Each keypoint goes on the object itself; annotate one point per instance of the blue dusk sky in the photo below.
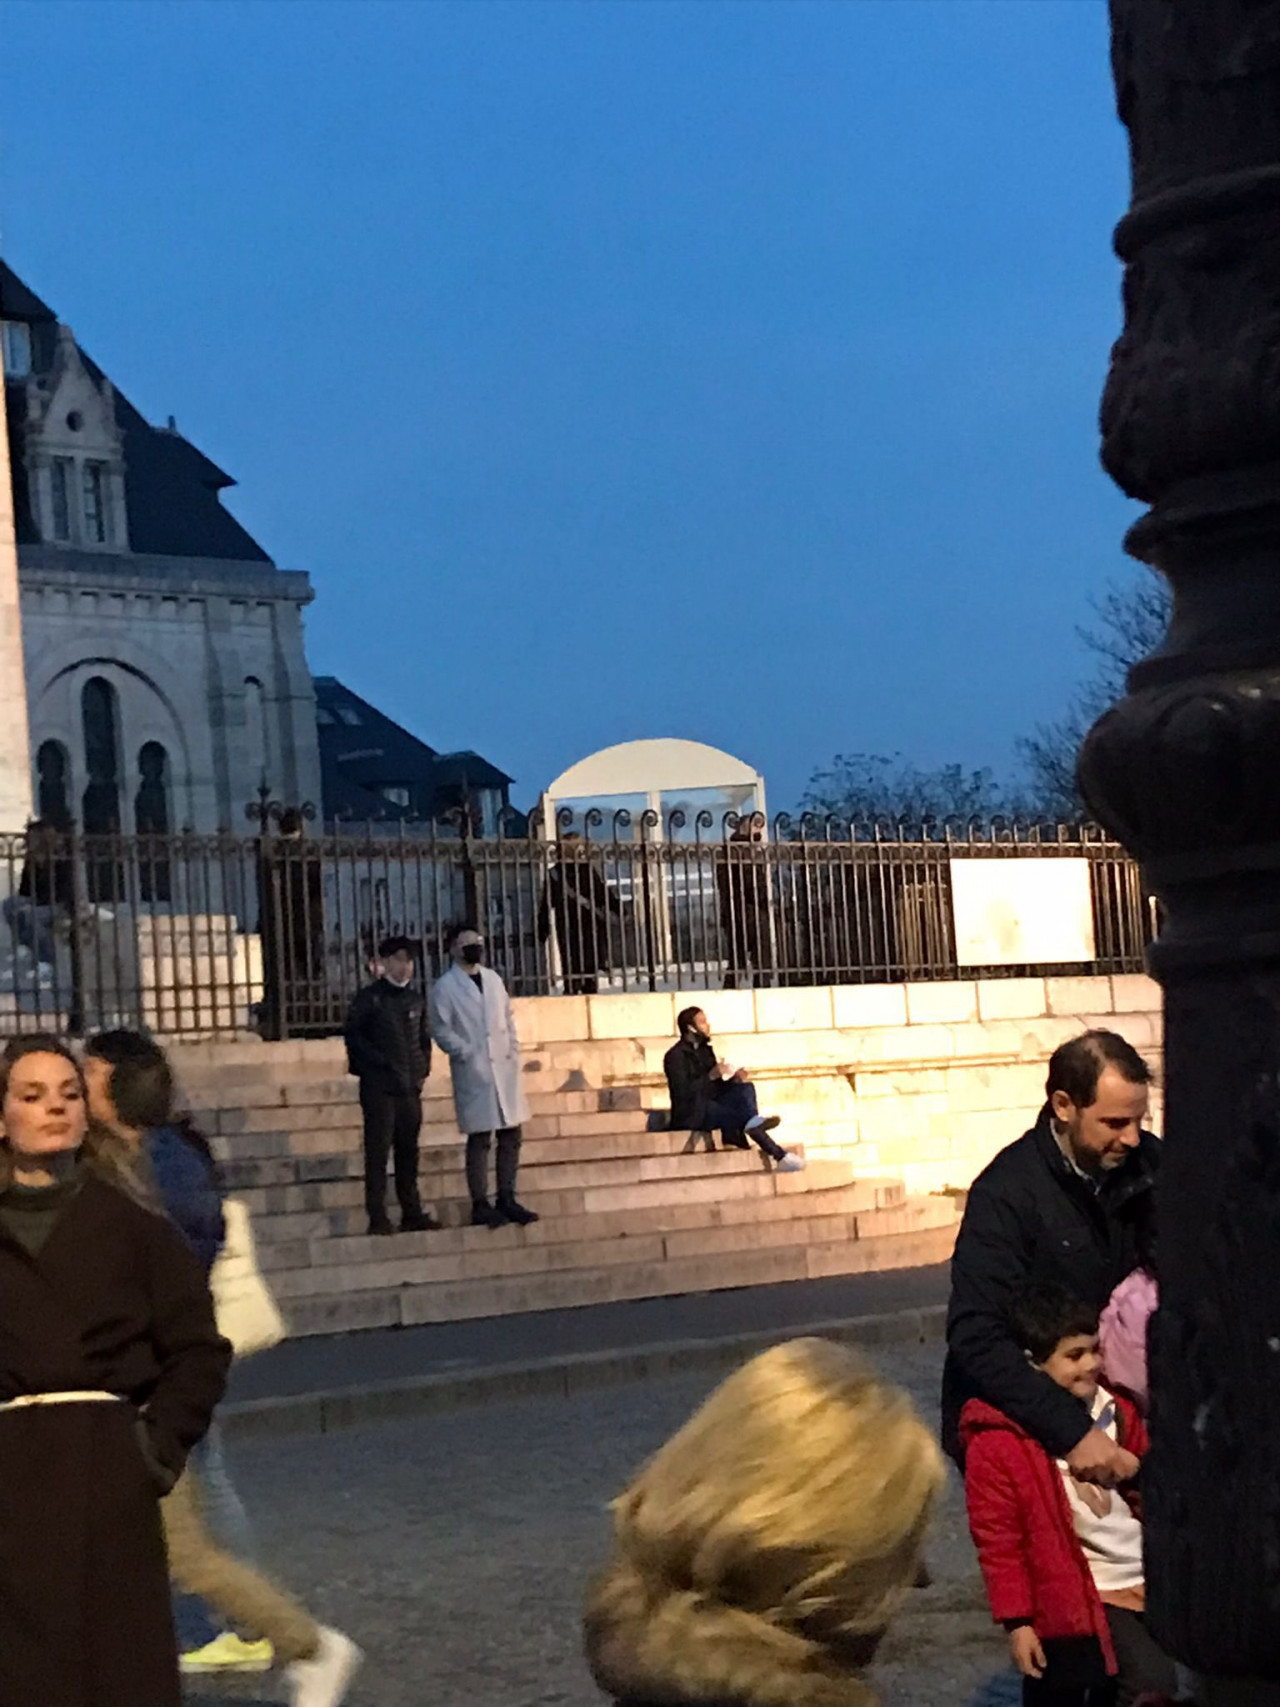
(616, 367)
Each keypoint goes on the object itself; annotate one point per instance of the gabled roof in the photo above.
(363, 751)
(171, 488)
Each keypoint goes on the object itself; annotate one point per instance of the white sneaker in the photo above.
(790, 1164)
(323, 1680)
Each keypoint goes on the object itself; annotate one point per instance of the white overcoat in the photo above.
(477, 1031)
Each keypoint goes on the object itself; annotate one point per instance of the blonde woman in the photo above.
(747, 1576)
(110, 1367)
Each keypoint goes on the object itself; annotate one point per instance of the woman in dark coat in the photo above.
(110, 1367)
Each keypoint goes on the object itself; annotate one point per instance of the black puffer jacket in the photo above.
(689, 1065)
(387, 1037)
(1031, 1219)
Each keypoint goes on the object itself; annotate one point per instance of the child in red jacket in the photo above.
(1062, 1561)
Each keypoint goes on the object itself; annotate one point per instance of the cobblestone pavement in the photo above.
(455, 1549)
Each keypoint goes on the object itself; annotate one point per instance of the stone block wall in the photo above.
(920, 1083)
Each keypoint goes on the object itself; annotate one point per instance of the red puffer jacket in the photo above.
(1020, 1518)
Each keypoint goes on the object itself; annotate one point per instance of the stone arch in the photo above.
(150, 694)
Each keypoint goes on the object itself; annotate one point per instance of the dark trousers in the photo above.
(392, 1122)
(478, 1163)
(729, 1110)
(1145, 1669)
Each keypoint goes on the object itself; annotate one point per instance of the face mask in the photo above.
(399, 982)
(473, 953)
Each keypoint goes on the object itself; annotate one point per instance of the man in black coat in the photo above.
(1067, 1205)
(389, 1051)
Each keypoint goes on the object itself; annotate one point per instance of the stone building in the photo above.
(165, 665)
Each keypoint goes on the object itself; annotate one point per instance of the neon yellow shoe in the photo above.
(228, 1653)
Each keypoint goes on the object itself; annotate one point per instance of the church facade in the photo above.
(165, 665)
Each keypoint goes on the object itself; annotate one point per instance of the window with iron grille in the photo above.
(60, 475)
(95, 503)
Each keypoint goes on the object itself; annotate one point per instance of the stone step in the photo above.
(289, 1241)
(443, 1170)
(294, 1135)
(659, 1155)
(567, 1189)
(431, 1264)
(336, 1312)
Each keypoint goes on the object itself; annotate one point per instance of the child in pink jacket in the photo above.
(1124, 1327)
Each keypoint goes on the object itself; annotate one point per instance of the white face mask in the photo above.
(398, 982)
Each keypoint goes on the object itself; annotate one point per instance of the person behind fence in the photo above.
(389, 1051)
(45, 893)
(708, 1095)
(131, 1092)
(585, 910)
(1062, 1559)
(111, 1369)
(744, 888)
(1065, 1204)
(291, 924)
(473, 1022)
(762, 1553)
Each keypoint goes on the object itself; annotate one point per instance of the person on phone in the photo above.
(708, 1095)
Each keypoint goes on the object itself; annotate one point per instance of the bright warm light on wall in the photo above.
(1022, 912)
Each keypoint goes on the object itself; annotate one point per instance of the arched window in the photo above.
(52, 801)
(151, 804)
(100, 716)
(255, 733)
(151, 818)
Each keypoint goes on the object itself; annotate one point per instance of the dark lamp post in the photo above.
(1186, 771)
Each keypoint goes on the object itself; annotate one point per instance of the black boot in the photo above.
(381, 1225)
(418, 1221)
(483, 1214)
(515, 1212)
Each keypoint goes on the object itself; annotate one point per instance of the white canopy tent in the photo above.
(664, 776)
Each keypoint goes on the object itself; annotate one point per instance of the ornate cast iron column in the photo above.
(1186, 771)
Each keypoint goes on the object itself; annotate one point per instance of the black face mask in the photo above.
(473, 953)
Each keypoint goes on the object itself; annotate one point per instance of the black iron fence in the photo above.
(274, 933)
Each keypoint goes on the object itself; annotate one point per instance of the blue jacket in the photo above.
(188, 1191)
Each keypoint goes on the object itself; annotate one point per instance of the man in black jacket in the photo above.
(389, 1051)
(709, 1096)
(1064, 1205)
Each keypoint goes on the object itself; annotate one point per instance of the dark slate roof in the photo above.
(171, 488)
(363, 751)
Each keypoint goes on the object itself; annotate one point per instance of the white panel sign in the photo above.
(1022, 912)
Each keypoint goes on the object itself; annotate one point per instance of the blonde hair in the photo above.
(759, 1557)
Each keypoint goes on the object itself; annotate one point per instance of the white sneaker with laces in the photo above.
(790, 1164)
(323, 1680)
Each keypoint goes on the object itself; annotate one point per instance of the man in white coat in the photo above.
(471, 1020)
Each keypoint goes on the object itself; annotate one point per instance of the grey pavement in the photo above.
(332, 1361)
(455, 1548)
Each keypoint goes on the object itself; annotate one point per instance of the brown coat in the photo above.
(115, 1301)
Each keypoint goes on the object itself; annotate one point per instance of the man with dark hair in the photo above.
(389, 1051)
(1065, 1205)
(708, 1095)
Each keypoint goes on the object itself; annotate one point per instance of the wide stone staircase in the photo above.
(626, 1211)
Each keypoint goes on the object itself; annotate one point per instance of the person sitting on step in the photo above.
(711, 1096)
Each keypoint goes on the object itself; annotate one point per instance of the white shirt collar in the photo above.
(1064, 1144)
